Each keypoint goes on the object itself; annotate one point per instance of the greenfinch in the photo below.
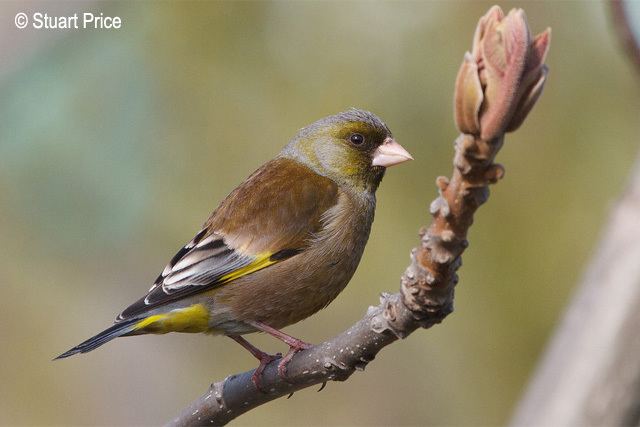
(280, 247)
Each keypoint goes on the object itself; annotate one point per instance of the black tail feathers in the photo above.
(117, 330)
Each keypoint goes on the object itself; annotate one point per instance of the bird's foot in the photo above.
(265, 359)
(297, 346)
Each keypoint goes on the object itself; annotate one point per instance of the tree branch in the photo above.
(497, 85)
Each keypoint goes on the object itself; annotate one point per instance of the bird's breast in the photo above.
(294, 289)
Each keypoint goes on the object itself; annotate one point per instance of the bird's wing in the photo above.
(267, 219)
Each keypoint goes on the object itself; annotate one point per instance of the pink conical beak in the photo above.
(390, 153)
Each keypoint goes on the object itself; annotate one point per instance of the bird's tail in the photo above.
(117, 330)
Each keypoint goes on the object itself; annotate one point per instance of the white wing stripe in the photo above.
(195, 257)
(207, 240)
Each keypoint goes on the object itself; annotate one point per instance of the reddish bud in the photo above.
(500, 81)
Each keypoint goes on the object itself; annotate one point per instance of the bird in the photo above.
(280, 247)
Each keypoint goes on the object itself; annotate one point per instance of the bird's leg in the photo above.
(295, 345)
(264, 358)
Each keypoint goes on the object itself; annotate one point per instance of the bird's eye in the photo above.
(356, 139)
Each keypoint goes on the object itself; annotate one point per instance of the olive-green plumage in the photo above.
(281, 246)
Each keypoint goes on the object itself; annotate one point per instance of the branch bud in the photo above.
(501, 79)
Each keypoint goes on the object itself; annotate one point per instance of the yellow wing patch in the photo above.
(194, 318)
(261, 261)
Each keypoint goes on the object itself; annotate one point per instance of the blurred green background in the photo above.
(116, 144)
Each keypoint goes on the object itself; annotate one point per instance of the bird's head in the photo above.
(353, 148)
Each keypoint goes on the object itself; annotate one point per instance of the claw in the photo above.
(295, 345)
(264, 358)
(256, 378)
(282, 366)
